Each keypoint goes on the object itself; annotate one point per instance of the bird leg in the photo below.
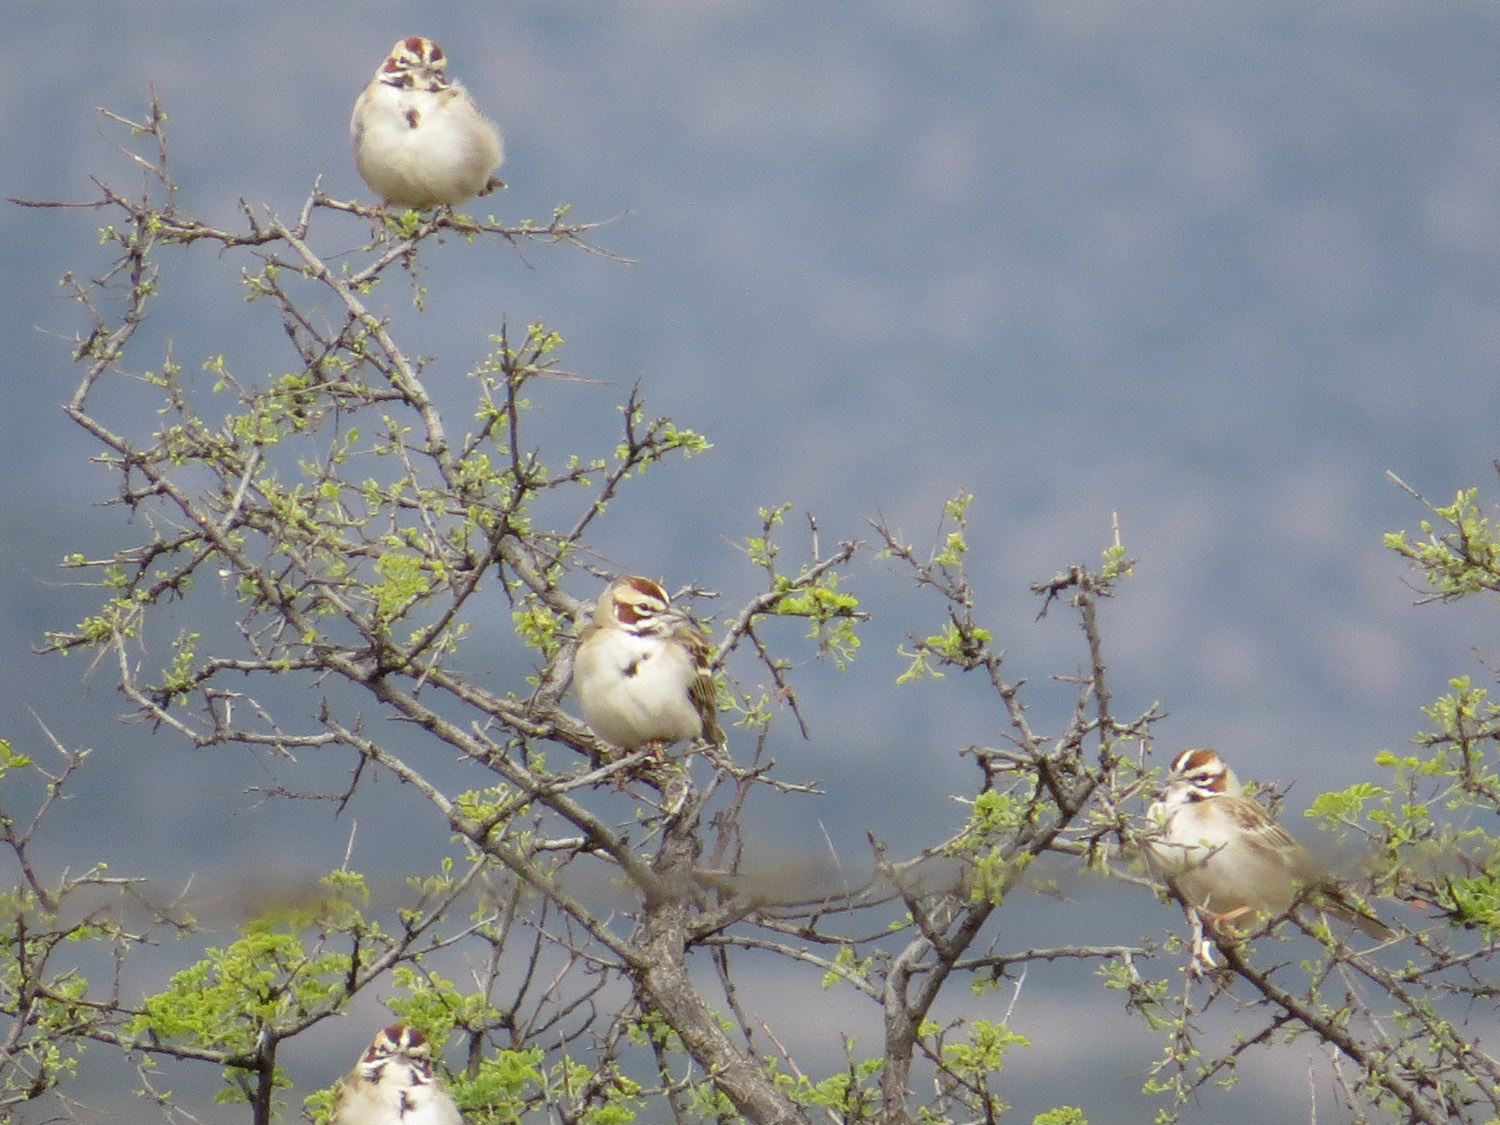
(1227, 923)
(1202, 961)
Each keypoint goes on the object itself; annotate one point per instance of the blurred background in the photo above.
(1214, 269)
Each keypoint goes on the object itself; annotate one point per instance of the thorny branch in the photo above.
(334, 541)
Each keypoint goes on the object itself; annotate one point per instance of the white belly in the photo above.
(445, 157)
(634, 691)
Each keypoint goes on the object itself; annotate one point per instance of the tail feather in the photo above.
(1333, 902)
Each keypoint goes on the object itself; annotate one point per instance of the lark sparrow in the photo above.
(642, 670)
(393, 1084)
(419, 139)
(1226, 857)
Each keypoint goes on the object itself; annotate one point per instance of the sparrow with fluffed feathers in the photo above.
(393, 1084)
(419, 138)
(642, 670)
(1226, 857)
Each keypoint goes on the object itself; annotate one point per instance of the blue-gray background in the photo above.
(1214, 268)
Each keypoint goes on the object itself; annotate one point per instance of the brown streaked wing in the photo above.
(704, 694)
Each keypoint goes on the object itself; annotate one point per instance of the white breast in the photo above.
(1216, 864)
(418, 149)
(634, 690)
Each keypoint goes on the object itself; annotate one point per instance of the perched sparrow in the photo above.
(393, 1084)
(1226, 857)
(642, 670)
(419, 139)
